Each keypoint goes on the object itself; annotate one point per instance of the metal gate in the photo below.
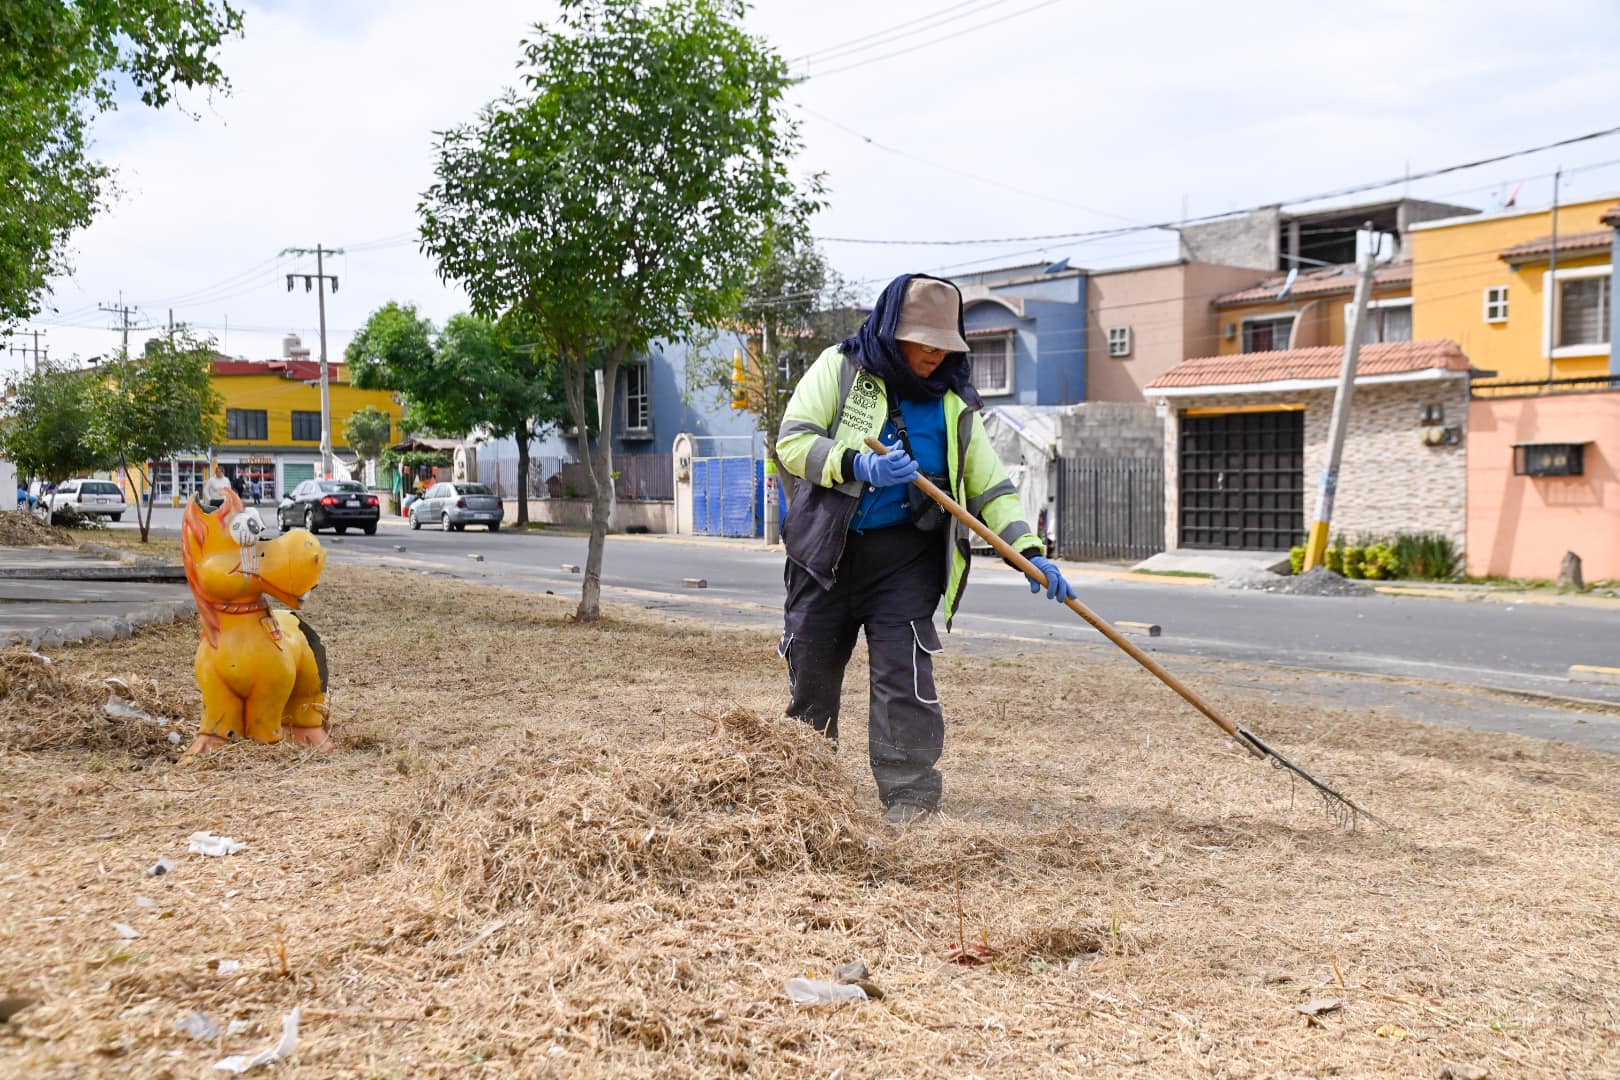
(1243, 481)
(725, 496)
(1110, 508)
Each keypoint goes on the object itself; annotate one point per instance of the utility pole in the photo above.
(123, 311)
(40, 355)
(767, 385)
(317, 281)
(1316, 543)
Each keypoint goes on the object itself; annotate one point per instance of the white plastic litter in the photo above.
(821, 992)
(174, 738)
(145, 901)
(241, 1063)
(161, 867)
(126, 931)
(123, 709)
(236, 1027)
(206, 843)
(199, 1027)
(230, 967)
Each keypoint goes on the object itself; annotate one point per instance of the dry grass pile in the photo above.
(22, 528)
(514, 825)
(63, 704)
(543, 850)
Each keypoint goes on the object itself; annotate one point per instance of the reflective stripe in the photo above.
(1013, 533)
(978, 502)
(791, 428)
(815, 465)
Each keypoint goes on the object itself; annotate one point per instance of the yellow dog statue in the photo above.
(262, 673)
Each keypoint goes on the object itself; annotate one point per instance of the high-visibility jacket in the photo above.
(833, 410)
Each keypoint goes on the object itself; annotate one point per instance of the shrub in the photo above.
(1333, 559)
(66, 517)
(1352, 561)
(1380, 562)
(1429, 555)
(1296, 559)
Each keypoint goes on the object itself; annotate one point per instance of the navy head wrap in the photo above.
(875, 348)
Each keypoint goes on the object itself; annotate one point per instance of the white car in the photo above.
(102, 498)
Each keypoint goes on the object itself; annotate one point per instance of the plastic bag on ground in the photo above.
(206, 843)
(241, 1063)
(821, 992)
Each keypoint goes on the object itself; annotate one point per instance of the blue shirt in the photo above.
(925, 425)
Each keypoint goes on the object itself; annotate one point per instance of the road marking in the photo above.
(1589, 673)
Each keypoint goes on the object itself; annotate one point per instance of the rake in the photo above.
(1344, 812)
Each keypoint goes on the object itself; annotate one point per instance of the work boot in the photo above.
(904, 813)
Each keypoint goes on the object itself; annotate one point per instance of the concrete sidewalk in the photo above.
(54, 596)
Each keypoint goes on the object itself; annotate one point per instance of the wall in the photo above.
(280, 397)
(1152, 301)
(1049, 345)
(1110, 429)
(1520, 526)
(654, 515)
(1250, 241)
(1389, 481)
(1454, 262)
(1323, 318)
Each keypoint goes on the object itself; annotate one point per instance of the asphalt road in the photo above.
(1470, 648)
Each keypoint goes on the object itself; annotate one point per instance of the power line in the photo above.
(878, 39)
(935, 41)
(1354, 189)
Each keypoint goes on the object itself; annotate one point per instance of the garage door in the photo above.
(294, 473)
(1243, 481)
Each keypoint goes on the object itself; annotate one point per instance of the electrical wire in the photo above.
(935, 41)
(879, 38)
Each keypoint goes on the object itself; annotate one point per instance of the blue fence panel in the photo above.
(738, 518)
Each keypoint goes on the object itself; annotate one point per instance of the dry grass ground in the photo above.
(547, 849)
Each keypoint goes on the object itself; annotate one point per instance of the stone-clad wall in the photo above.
(1389, 480)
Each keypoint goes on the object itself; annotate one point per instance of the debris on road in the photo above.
(1318, 582)
(570, 568)
(695, 582)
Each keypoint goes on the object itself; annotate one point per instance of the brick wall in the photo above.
(1389, 481)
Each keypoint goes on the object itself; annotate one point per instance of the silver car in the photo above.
(455, 505)
(98, 498)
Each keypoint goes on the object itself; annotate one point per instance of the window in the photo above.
(1387, 320)
(306, 426)
(637, 399)
(990, 360)
(474, 489)
(1583, 311)
(1119, 341)
(247, 424)
(334, 486)
(1496, 303)
(100, 487)
(1268, 334)
(1549, 459)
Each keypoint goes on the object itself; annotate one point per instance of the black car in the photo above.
(329, 504)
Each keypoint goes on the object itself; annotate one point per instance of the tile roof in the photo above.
(296, 370)
(1611, 216)
(1322, 281)
(1595, 240)
(1394, 358)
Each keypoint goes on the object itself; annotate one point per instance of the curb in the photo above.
(105, 629)
(1588, 673)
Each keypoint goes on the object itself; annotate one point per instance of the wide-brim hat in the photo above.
(931, 315)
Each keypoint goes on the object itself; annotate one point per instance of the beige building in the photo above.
(1144, 320)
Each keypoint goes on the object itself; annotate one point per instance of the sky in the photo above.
(967, 121)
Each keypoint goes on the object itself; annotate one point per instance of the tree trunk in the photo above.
(600, 469)
(143, 520)
(523, 473)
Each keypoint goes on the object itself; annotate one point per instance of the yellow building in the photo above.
(1483, 281)
(272, 426)
(1312, 312)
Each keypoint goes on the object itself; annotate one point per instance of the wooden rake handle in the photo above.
(1005, 550)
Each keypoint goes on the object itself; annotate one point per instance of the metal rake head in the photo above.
(1344, 812)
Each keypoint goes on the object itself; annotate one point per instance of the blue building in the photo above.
(1027, 331)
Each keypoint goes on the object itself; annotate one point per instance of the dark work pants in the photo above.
(888, 583)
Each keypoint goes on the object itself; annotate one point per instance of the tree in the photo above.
(45, 426)
(148, 408)
(793, 309)
(477, 375)
(367, 431)
(621, 196)
(61, 65)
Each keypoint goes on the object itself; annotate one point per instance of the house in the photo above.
(1026, 331)
(271, 425)
(1246, 431)
(1487, 282)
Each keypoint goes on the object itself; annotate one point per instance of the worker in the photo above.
(866, 549)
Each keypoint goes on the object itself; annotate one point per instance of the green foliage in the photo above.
(367, 432)
(417, 459)
(1379, 562)
(1427, 555)
(1350, 558)
(60, 66)
(1333, 559)
(1296, 559)
(150, 407)
(624, 194)
(46, 423)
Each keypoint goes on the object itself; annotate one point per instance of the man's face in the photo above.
(922, 359)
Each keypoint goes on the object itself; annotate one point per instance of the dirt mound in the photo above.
(1318, 582)
(513, 825)
(47, 705)
(19, 528)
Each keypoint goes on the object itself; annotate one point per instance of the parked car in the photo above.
(456, 505)
(100, 498)
(329, 504)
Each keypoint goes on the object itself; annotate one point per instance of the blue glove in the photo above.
(885, 470)
(1056, 588)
